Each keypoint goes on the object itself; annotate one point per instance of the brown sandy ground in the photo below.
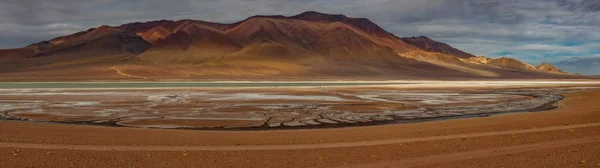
(565, 137)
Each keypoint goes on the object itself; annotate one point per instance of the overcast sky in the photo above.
(531, 30)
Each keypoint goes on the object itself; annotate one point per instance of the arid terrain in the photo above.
(296, 84)
(386, 124)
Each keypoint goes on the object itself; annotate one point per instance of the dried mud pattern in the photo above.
(248, 109)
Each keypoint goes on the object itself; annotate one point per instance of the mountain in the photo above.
(545, 67)
(514, 64)
(586, 66)
(503, 62)
(430, 45)
(308, 46)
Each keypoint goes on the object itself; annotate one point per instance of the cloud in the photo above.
(532, 30)
(585, 65)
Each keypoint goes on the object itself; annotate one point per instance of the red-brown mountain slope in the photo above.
(430, 45)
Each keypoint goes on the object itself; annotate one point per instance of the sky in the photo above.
(533, 31)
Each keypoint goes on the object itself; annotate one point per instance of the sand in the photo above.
(564, 137)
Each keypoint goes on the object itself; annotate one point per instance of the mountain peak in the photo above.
(313, 13)
(318, 16)
(544, 64)
(545, 67)
(363, 24)
(268, 16)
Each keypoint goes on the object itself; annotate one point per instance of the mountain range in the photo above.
(308, 46)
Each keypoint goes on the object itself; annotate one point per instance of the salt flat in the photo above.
(275, 105)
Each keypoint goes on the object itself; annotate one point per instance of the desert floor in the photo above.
(565, 137)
